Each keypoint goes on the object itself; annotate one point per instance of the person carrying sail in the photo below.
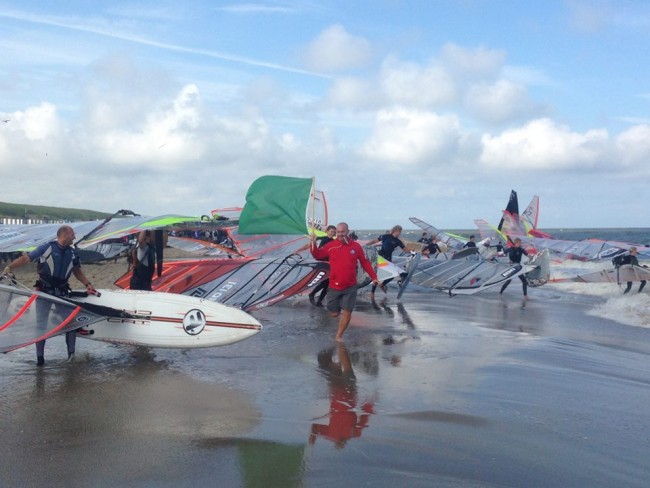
(470, 243)
(343, 255)
(632, 259)
(389, 242)
(56, 262)
(515, 254)
(144, 262)
(431, 249)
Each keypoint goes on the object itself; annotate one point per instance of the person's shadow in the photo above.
(345, 421)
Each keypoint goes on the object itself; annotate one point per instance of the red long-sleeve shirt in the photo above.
(343, 258)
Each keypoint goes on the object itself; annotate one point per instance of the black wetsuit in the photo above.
(432, 248)
(322, 286)
(469, 244)
(633, 260)
(515, 254)
(388, 245)
(144, 269)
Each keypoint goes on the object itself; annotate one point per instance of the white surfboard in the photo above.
(154, 319)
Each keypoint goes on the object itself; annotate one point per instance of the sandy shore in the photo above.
(469, 391)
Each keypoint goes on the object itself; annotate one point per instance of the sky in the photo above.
(433, 109)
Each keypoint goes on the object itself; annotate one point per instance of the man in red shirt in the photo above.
(343, 254)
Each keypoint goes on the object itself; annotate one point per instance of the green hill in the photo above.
(39, 212)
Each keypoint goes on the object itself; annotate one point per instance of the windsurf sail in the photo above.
(490, 235)
(120, 227)
(531, 214)
(410, 266)
(622, 274)
(201, 248)
(245, 283)
(512, 207)
(465, 275)
(280, 245)
(25, 238)
(277, 205)
(387, 269)
(452, 241)
(29, 316)
(585, 250)
(230, 214)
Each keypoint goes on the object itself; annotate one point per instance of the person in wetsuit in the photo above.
(322, 286)
(633, 260)
(389, 242)
(470, 243)
(56, 262)
(431, 249)
(515, 254)
(144, 262)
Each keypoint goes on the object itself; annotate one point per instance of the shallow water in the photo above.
(462, 391)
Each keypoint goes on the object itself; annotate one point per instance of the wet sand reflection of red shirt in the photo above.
(344, 422)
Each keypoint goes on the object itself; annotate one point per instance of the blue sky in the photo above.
(432, 109)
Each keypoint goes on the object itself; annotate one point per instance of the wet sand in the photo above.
(429, 391)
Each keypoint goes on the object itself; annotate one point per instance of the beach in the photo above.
(444, 391)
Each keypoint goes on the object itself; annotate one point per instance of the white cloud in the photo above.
(352, 94)
(38, 123)
(527, 75)
(500, 102)
(403, 137)
(596, 16)
(335, 50)
(544, 145)
(633, 146)
(480, 62)
(458, 77)
(416, 85)
(165, 138)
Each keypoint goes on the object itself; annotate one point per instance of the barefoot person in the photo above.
(56, 262)
(515, 254)
(389, 242)
(343, 255)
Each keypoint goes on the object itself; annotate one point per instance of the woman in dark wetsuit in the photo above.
(144, 262)
(389, 242)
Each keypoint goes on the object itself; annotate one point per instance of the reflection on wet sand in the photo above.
(344, 419)
(447, 417)
(264, 463)
(135, 413)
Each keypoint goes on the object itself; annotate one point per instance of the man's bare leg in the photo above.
(344, 321)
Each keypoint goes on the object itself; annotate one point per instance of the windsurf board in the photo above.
(169, 320)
